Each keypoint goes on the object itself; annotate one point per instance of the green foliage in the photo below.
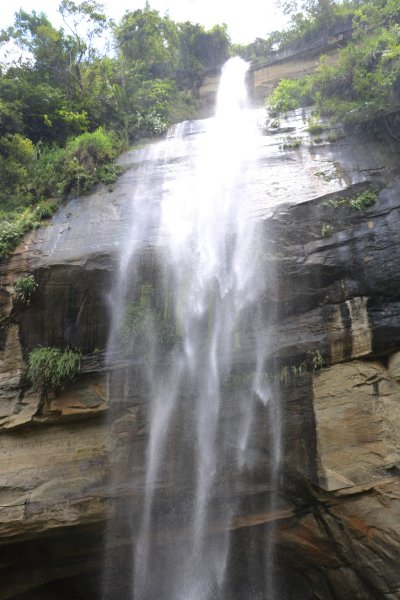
(109, 173)
(291, 143)
(16, 155)
(200, 50)
(289, 94)
(359, 201)
(314, 125)
(60, 100)
(46, 170)
(312, 8)
(46, 209)
(14, 225)
(141, 319)
(260, 49)
(31, 174)
(315, 20)
(360, 87)
(363, 85)
(314, 362)
(317, 360)
(364, 200)
(24, 288)
(148, 42)
(51, 369)
(148, 123)
(87, 159)
(135, 319)
(312, 23)
(81, 159)
(326, 230)
(90, 148)
(166, 333)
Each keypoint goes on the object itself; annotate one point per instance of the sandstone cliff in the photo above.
(337, 522)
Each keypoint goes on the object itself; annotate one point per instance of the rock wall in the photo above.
(349, 537)
(336, 523)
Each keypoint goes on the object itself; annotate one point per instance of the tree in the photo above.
(86, 23)
(61, 87)
(148, 43)
(200, 50)
(45, 49)
(312, 8)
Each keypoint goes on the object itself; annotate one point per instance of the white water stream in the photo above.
(185, 316)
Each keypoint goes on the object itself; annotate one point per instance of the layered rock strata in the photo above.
(336, 521)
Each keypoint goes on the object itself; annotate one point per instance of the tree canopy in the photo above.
(67, 107)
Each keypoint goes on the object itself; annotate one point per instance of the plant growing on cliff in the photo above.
(315, 361)
(364, 200)
(361, 87)
(358, 202)
(141, 319)
(326, 230)
(291, 143)
(13, 227)
(289, 94)
(315, 127)
(86, 160)
(51, 369)
(24, 288)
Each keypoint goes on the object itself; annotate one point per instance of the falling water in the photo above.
(190, 332)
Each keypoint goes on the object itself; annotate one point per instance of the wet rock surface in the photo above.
(337, 521)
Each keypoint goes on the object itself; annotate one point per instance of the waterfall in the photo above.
(188, 349)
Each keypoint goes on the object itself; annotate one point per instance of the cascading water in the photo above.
(190, 332)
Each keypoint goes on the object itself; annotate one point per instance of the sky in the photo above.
(255, 18)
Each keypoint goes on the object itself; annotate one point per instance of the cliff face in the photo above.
(337, 519)
(342, 298)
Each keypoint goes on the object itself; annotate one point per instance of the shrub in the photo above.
(17, 153)
(17, 148)
(13, 226)
(45, 210)
(290, 94)
(358, 202)
(81, 159)
(314, 125)
(150, 123)
(47, 172)
(24, 288)
(109, 173)
(364, 200)
(91, 148)
(87, 159)
(50, 369)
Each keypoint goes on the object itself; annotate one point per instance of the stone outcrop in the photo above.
(341, 298)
